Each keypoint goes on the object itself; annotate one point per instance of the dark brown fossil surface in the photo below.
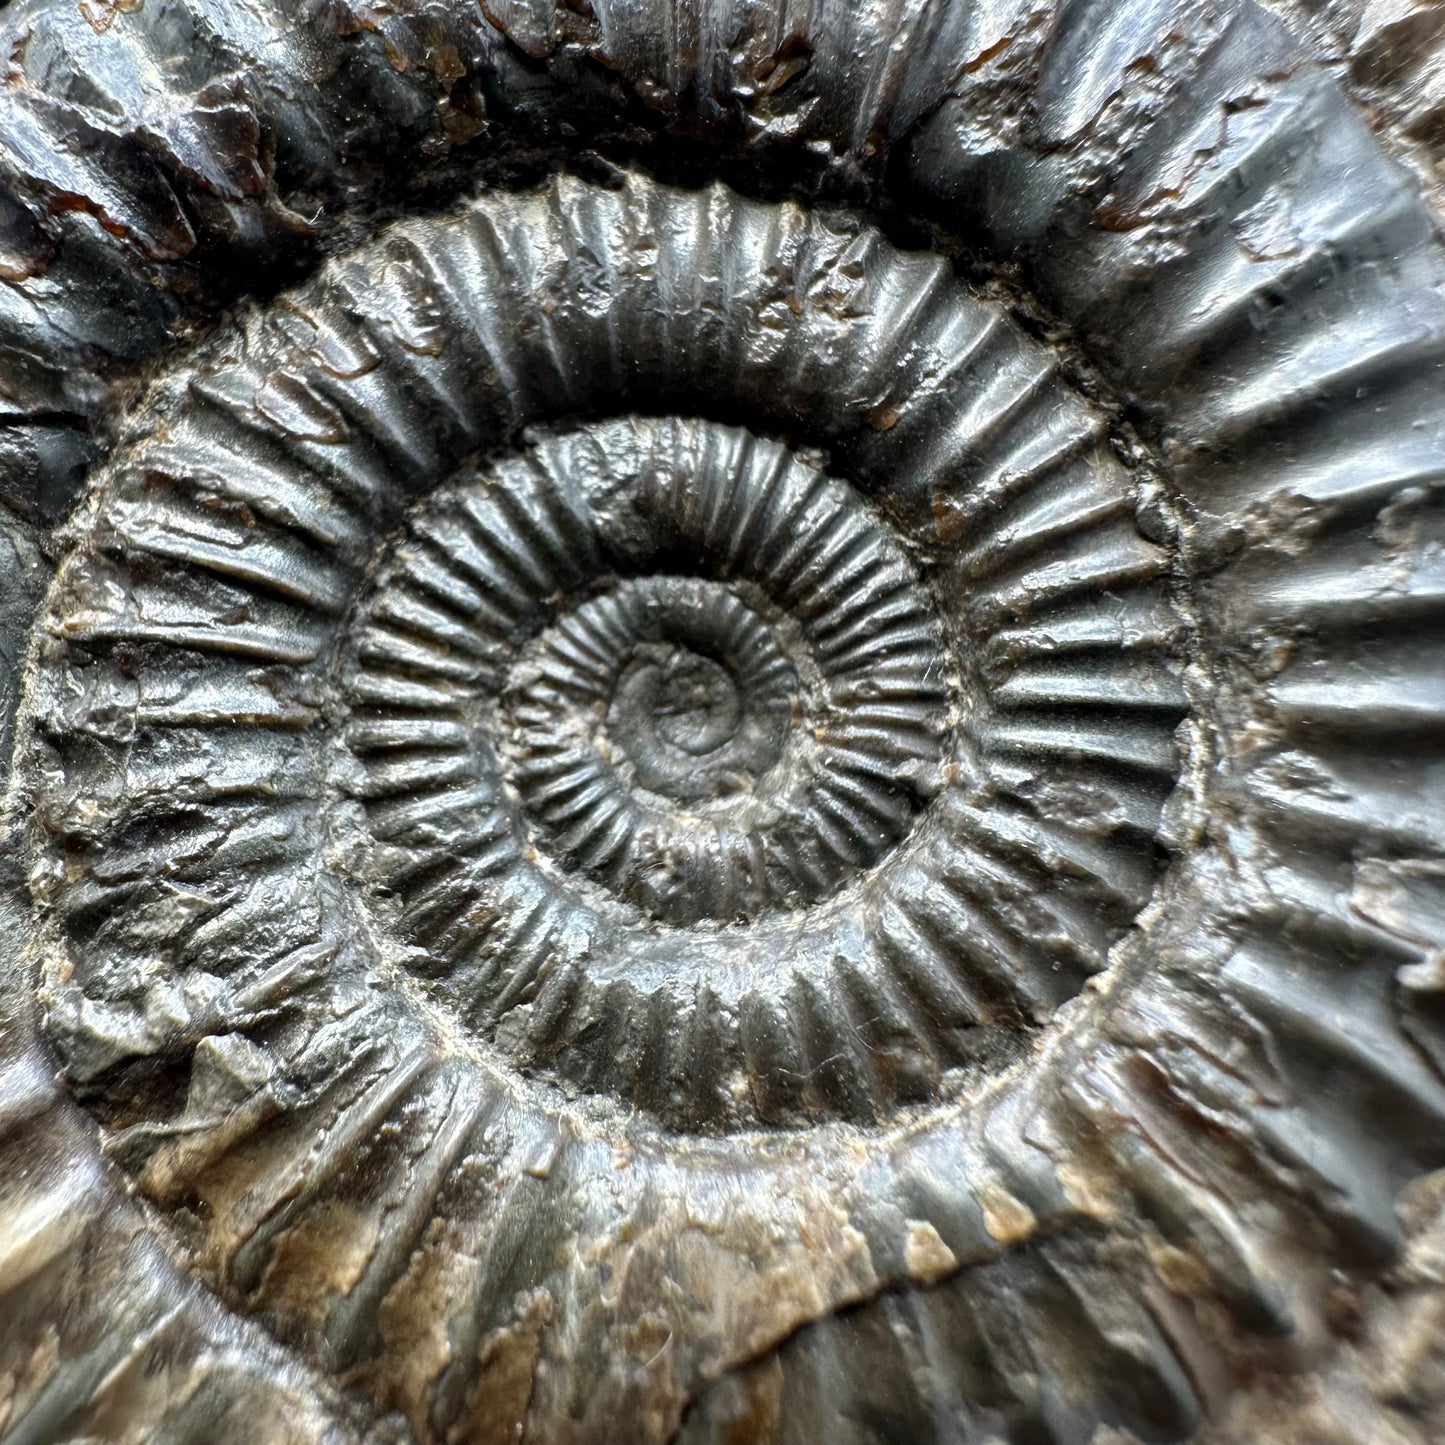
(723, 722)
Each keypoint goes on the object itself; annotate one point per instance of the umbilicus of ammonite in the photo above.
(723, 723)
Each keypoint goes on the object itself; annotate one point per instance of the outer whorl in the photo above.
(728, 727)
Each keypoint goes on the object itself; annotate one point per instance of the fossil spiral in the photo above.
(725, 726)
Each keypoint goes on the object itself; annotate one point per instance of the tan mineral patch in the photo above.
(1086, 1192)
(1182, 1273)
(506, 1368)
(1008, 1220)
(318, 1260)
(412, 1322)
(925, 1254)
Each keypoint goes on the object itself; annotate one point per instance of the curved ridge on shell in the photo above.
(993, 912)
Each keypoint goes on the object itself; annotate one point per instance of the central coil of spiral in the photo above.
(702, 755)
(656, 728)
(660, 672)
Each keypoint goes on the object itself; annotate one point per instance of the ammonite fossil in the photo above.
(724, 723)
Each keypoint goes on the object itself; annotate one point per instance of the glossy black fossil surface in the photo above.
(724, 723)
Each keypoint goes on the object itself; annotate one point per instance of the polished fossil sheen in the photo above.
(723, 723)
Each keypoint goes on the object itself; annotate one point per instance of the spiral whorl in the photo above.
(701, 755)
